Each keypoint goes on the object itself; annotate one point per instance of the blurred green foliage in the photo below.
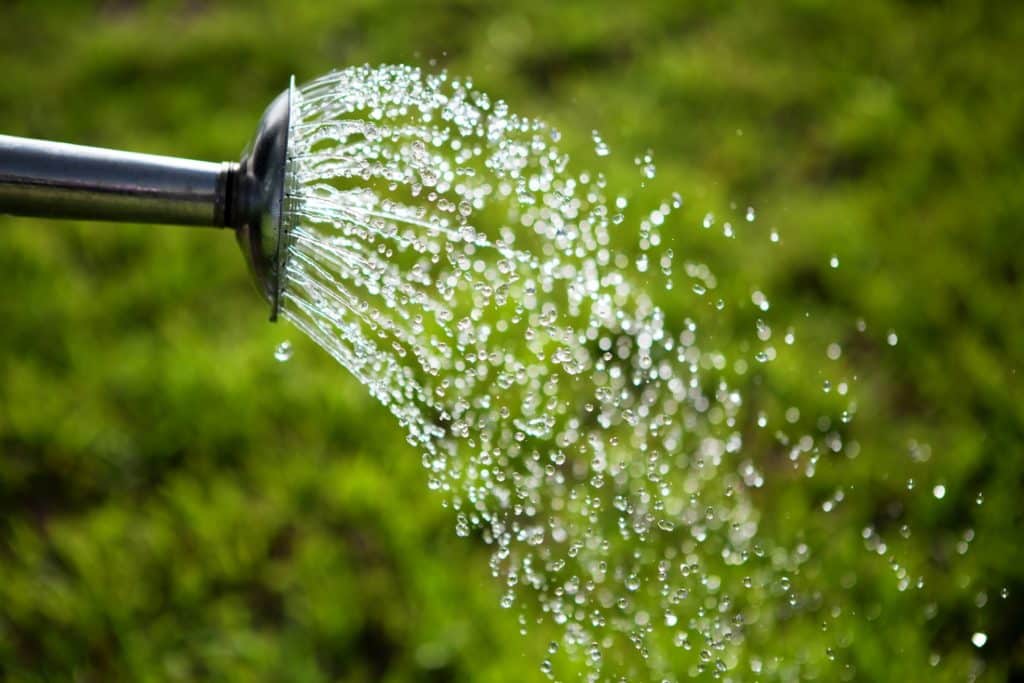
(176, 505)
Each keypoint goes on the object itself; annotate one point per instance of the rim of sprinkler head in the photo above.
(256, 197)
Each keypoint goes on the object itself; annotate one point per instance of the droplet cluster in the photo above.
(452, 258)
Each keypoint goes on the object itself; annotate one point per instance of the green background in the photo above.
(177, 505)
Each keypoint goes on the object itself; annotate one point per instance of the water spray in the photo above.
(59, 180)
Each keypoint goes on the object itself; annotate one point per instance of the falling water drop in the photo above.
(283, 352)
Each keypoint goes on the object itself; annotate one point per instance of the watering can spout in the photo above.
(256, 196)
(59, 180)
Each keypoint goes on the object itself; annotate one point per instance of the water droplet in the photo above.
(979, 639)
(283, 352)
(419, 150)
(939, 491)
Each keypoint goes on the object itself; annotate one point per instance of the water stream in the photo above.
(496, 298)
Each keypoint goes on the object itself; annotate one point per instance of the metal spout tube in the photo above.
(59, 180)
